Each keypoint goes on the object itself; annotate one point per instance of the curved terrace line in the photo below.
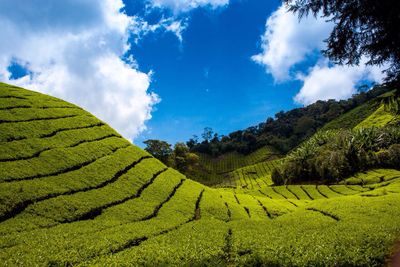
(65, 170)
(39, 119)
(38, 153)
(20, 207)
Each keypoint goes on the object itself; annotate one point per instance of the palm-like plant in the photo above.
(391, 102)
(334, 154)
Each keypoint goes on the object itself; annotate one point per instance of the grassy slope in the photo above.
(353, 117)
(250, 176)
(236, 170)
(379, 118)
(232, 161)
(222, 171)
(367, 115)
(72, 191)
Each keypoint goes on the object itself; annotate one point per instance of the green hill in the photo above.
(223, 170)
(274, 138)
(250, 176)
(353, 117)
(371, 113)
(74, 192)
(379, 118)
(232, 161)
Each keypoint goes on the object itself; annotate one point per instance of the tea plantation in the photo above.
(229, 169)
(74, 192)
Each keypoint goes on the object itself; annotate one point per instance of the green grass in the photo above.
(234, 169)
(352, 118)
(379, 118)
(220, 170)
(74, 192)
(214, 206)
(232, 161)
(252, 176)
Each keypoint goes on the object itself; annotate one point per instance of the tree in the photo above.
(194, 141)
(180, 149)
(184, 160)
(207, 134)
(362, 28)
(304, 125)
(192, 160)
(159, 149)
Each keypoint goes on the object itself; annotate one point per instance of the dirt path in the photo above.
(395, 260)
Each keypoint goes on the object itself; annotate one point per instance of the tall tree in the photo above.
(184, 161)
(367, 28)
(207, 134)
(159, 149)
(192, 141)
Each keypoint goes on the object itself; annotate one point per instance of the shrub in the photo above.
(334, 155)
(394, 156)
(390, 157)
(277, 177)
(331, 165)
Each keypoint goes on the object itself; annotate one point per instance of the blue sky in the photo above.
(209, 79)
(165, 69)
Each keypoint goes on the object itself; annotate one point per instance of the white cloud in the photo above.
(179, 6)
(175, 22)
(74, 49)
(177, 27)
(325, 82)
(288, 41)
(141, 27)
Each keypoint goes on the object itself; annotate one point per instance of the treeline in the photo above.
(284, 132)
(333, 155)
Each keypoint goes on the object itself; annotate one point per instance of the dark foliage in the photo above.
(159, 149)
(179, 157)
(183, 160)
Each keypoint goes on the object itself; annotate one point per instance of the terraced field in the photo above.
(232, 161)
(74, 192)
(252, 176)
(379, 118)
(352, 118)
(224, 170)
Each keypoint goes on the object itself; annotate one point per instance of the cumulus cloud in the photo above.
(179, 6)
(289, 42)
(325, 82)
(73, 50)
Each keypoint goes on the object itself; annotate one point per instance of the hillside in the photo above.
(354, 116)
(275, 138)
(287, 130)
(370, 114)
(354, 142)
(379, 118)
(74, 192)
(223, 170)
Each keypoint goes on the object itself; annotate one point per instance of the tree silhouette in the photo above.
(367, 28)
